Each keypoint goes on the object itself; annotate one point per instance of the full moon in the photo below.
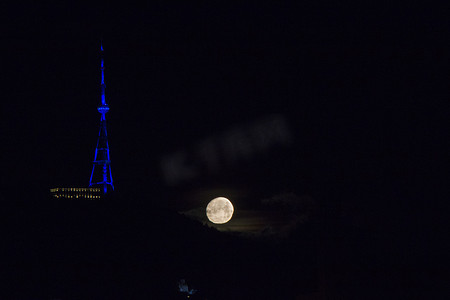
(219, 210)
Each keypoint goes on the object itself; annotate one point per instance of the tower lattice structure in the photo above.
(101, 169)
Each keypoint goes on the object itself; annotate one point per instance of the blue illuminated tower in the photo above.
(101, 169)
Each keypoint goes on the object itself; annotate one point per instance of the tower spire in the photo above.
(103, 74)
(101, 169)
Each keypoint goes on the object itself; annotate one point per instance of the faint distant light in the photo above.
(183, 288)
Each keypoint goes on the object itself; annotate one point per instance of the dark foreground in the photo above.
(125, 249)
(108, 250)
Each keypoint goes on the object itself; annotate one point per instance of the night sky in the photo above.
(351, 97)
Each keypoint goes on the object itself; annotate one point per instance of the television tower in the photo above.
(101, 169)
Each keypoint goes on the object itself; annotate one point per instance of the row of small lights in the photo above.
(75, 189)
(88, 196)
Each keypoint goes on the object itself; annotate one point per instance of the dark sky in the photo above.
(336, 113)
(356, 85)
